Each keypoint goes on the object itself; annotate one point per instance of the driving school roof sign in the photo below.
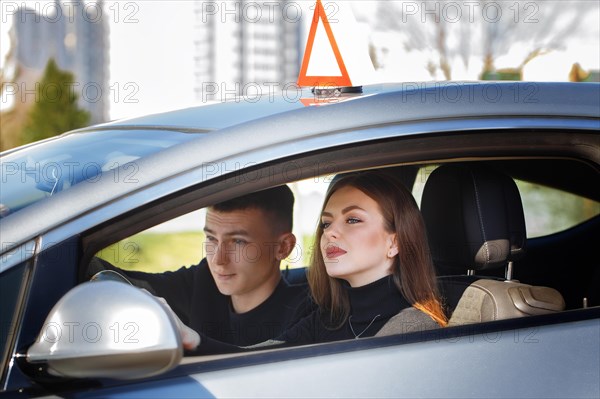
(335, 54)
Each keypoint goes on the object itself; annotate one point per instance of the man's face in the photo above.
(241, 250)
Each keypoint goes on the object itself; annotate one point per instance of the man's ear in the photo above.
(287, 242)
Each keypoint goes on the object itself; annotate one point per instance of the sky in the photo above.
(152, 50)
(151, 54)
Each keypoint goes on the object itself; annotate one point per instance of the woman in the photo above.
(371, 264)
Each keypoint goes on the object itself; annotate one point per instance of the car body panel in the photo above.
(273, 142)
(450, 367)
(443, 366)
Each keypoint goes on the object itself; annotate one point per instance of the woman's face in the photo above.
(355, 244)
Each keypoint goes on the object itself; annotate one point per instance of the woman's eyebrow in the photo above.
(351, 208)
(344, 211)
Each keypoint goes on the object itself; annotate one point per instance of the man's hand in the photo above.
(189, 337)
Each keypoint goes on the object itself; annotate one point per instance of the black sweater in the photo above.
(193, 295)
(371, 305)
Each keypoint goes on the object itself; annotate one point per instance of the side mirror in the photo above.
(108, 329)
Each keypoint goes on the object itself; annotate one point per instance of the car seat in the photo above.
(475, 222)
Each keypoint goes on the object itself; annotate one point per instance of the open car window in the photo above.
(180, 241)
(549, 210)
(168, 246)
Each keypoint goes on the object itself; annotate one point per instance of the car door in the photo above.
(33, 286)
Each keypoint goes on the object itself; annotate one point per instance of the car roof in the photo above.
(275, 130)
(417, 100)
(236, 110)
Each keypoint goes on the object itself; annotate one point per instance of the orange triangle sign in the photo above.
(323, 81)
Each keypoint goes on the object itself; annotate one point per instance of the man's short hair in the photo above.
(276, 202)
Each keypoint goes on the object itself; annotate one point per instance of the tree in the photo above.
(451, 33)
(55, 109)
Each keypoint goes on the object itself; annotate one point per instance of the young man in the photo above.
(237, 294)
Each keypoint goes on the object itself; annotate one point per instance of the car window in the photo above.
(180, 241)
(57, 165)
(10, 285)
(309, 195)
(548, 210)
(420, 180)
(167, 246)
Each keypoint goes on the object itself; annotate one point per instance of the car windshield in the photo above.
(38, 172)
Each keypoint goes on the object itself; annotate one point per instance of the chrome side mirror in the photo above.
(108, 329)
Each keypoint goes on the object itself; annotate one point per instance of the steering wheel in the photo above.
(110, 275)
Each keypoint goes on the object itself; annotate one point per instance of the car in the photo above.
(67, 198)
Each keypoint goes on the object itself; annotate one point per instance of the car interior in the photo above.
(488, 269)
(480, 225)
(478, 239)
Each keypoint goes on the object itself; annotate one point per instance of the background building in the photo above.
(75, 35)
(241, 47)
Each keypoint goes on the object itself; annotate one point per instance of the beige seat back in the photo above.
(488, 300)
(475, 221)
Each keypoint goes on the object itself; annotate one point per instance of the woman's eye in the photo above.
(353, 220)
(325, 225)
(239, 241)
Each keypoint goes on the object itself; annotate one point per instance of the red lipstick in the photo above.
(334, 251)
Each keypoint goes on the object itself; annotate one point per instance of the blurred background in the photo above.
(66, 64)
(70, 63)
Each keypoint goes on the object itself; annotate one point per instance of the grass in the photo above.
(156, 252)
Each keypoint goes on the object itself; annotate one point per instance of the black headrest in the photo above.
(474, 217)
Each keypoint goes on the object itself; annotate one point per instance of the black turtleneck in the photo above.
(371, 306)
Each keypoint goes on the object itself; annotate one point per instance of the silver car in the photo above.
(66, 198)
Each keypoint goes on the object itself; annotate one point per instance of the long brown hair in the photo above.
(413, 270)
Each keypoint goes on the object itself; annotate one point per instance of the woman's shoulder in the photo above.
(408, 320)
